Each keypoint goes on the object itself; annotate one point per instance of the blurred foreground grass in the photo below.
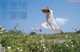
(16, 41)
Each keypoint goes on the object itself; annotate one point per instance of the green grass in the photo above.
(16, 41)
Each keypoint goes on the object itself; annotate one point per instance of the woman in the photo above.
(50, 22)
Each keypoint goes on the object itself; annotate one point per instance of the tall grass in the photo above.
(16, 41)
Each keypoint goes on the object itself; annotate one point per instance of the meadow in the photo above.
(16, 41)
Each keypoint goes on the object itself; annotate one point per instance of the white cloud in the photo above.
(61, 21)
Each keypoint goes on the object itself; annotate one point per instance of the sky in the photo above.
(27, 14)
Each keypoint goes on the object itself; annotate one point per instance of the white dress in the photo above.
(50, 23)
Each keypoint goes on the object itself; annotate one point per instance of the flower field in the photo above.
(16, 41)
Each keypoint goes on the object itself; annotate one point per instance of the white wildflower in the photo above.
(17, 48)
(66, 36)
(1, 32)
(37, 46)
(71, 42)
(42, 37)
(18, 36)
(43, 45)
(41, 41)
(9, 47)
(0, 45)
(24, 35)
(67, 45)
(20, 50)
(27, 42)
(31, 36)
(72, 45)
(37, 42)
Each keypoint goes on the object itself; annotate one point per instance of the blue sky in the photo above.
(62, 9)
